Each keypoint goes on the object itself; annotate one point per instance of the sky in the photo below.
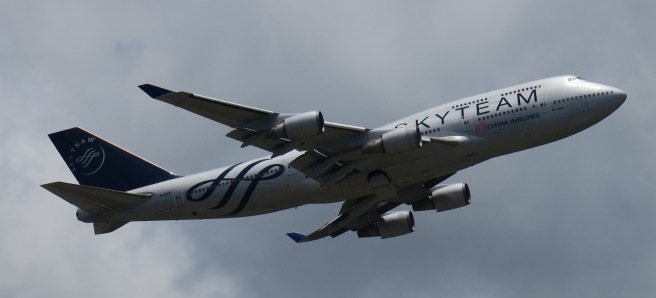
(573, 218)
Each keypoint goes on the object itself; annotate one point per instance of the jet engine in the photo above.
(390, 225)
(299, 126)
(445, 197)
(395, 141)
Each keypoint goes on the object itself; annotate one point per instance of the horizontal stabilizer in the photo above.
(93, 199)
(107, 227)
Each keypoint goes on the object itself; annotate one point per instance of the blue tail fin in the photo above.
(98, 163)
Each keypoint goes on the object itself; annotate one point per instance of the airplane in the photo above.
(313, 161)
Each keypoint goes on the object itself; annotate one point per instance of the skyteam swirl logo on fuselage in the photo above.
(203, 190)
(86, 157)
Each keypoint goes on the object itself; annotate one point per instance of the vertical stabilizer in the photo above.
(99, 163)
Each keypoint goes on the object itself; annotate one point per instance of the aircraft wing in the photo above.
(347, 222)
(363, 212)
(251, 124)
(327, 156)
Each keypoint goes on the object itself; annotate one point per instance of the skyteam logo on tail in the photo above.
(86, 157)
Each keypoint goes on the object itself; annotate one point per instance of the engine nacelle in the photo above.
(445, 197)
(395, 141)
(299, 126)
(390, 225)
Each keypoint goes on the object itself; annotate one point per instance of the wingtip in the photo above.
(154, 91)
(297, 237)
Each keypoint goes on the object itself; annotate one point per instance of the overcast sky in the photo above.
(570, 219)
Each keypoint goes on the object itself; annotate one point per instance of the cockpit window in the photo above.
(574, 79)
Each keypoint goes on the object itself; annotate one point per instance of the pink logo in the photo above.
(480, 127)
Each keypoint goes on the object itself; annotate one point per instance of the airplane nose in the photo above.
(620, 96)
(617, 98)
(610, 100)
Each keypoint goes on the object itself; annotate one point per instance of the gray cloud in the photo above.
(572, 218)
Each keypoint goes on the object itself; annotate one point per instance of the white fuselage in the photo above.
(494, 123)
